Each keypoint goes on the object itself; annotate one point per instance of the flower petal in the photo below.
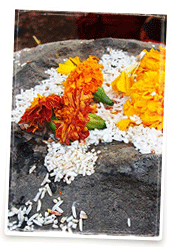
(68, 66)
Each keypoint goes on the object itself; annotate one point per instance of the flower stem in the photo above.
(95, 122)
(51, 125)
(100, 96)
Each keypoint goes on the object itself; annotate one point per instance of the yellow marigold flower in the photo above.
(146, 83)
(122, 83)
(129, 109)
(123, 124)
(151, 119)
(68, 66)
(153, 106)
(146, 92)
(87, 76)
(154, 60)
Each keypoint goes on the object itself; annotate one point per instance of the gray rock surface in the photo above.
(126, 184)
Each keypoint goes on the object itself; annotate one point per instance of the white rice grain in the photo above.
(43, 193)
(74, 210)
(39, 205)
(63, 219)
(49, 222)
(75, 220)
(32, 169)
(15, 210)
(55, 226)
(63, 227)
(13, 227)
(56, 221)
(56, 206)
(55, 200)
(80, 224)
(11, 214)
(48, 189)
(69, 218)
(60, 210)
(37, 195)
(46, 180)
(37, 222)
(129, 222)
(74, 225)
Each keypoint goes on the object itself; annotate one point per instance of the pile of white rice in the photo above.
(66, 162)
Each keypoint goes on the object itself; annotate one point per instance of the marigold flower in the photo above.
(123, 123)
(122, 83)
(72, 118)
(40, 111)
(67, 116)
(128, 108)
(147, 100)
(54, 100)
(154, 60)
(87, 76)
(146, 92)
(69, 65)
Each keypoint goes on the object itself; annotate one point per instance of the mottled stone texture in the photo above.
(126, 184)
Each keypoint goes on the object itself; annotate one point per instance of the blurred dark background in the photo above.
(49, 26)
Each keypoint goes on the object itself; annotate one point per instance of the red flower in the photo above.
(40, 111)
(73, 116)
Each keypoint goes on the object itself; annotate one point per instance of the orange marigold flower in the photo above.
(40, 111)
(93, 108)
(54, 100)
(72, 118)
(87, 76)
